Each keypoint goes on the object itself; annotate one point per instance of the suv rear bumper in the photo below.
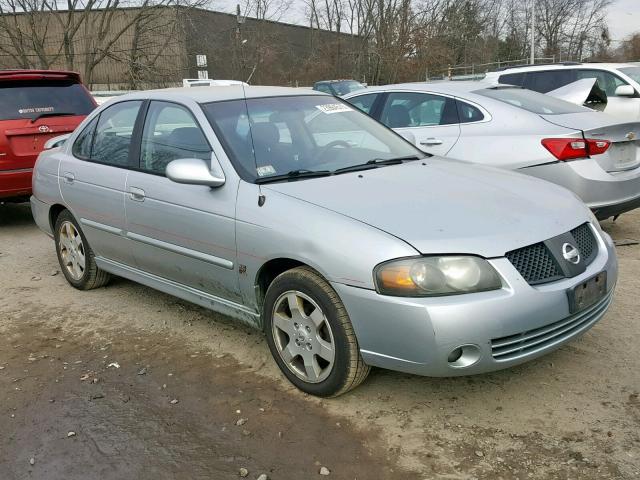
(15, 183)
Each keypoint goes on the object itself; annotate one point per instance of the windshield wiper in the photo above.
(375, 163)
(294, 175)
(52, 114)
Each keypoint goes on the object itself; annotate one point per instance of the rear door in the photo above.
(432, 119)
(93, 179)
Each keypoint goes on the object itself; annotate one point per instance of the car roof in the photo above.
(561, 66)
(219, 93)
(338, 80)
(28, 74)
(441, 86)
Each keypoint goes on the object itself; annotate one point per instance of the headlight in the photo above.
(433, 276)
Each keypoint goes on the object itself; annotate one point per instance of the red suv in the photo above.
(35, 105)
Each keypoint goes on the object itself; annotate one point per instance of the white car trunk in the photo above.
(624, 152)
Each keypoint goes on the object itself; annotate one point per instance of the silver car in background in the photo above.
(588, 152)
(348, 246)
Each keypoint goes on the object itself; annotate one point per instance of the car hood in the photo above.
(445, 206)
(585, 92)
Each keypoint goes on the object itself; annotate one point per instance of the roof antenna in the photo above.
(261, 197)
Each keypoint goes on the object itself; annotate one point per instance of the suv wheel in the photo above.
(310, 335)
(75, 256)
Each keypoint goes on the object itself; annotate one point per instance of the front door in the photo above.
(623, 108)
(431, 119)
(93, 178)
(182, 233)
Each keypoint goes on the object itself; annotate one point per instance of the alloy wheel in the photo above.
(303, 336)
(72, 250)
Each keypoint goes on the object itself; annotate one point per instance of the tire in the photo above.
(71, 252)
(299, 338)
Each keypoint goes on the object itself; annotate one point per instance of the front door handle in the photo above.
(136, 194)
(68, 177)
(431, 141)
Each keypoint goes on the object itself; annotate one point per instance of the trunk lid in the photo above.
(21, 141)
(624, 152)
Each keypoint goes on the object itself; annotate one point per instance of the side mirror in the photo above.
(408, 136)
(194, 171)
(56, 141)
(625, 91)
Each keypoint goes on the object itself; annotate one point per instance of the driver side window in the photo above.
(170, 132)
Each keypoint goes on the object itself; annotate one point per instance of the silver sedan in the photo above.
(594, 155)
(299, 215)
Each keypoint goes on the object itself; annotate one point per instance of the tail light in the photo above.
(572, 148)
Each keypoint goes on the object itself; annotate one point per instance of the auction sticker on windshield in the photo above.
(333, 108)
(265, 170)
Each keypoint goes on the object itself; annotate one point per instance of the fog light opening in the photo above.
(455, 355)
(463, 356)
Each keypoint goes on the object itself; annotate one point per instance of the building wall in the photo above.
(134, 48)
(268, 52)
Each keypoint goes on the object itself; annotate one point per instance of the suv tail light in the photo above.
(572, 148)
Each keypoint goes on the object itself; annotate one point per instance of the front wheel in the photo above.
(310, 335)
(75, 255)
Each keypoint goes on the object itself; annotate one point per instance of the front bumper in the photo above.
(606, 194)
(417, 335)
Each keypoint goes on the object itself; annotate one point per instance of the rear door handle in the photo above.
(431, 141)
(136, 194)
(68, 177)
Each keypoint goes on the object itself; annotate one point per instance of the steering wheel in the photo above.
(323, 150)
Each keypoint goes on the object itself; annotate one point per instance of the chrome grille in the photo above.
(531, 341)
(535, 264)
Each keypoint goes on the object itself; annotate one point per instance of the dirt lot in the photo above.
(185, 378)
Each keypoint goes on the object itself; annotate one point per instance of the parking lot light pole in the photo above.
(533, 32)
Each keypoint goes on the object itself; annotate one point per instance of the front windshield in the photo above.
(633, 72)
(271, 136)
(342, 88)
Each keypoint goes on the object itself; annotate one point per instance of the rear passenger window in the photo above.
(112, 138)
(511, 79)
(363, 102)
(468, 113)
(408, 109)
(170, 132)
(82, 146)
(544, 82)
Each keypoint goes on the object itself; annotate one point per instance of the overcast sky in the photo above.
(623, 17)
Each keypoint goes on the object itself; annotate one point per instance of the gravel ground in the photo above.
(125, 382)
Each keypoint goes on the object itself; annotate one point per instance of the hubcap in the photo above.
(71, 250)
(303, 336)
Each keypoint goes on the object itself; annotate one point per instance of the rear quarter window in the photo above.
(29, 99)
(512, 79)
(549, 80)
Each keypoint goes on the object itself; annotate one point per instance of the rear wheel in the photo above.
(310, 334)
(75, 256)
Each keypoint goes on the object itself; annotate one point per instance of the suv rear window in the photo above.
(531, 101)
(29, 99)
